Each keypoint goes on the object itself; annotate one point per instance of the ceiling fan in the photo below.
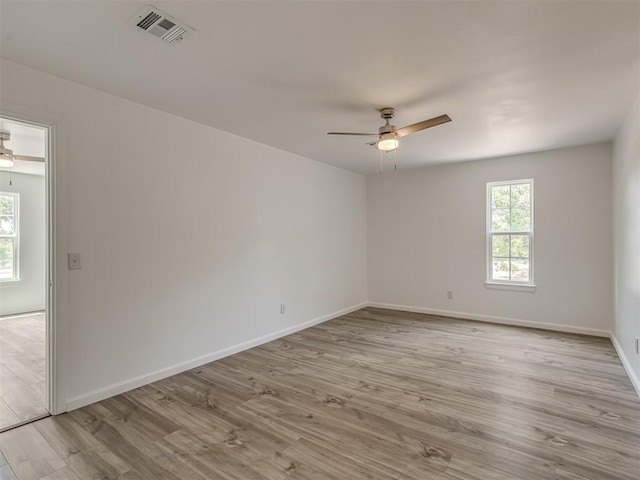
(388, 134)
(7, 157)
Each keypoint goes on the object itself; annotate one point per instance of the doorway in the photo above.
(24, 272)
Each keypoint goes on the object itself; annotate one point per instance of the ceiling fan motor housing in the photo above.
(387, 114)
(388, 128)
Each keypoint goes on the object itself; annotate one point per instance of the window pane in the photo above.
(6, 205)
(520, 219)
(521, 196)
(500, 196)
(500, 220)
(7, 226)
(510, 206)
(6, 258)
(500, 246)
(500, 269)
(520, 246)
(520, 269)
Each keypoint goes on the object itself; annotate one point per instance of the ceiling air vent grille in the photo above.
(149, 20)
(161, 25)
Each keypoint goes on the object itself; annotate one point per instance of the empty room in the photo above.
(317, 239)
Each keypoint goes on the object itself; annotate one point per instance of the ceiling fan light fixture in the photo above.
(388, 142)
(6, 162)
(6, 156)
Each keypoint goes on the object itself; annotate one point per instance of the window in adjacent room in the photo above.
(510, 232)
(9, 239)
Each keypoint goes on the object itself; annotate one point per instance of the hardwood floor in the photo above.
(375, 394)
(22, 369)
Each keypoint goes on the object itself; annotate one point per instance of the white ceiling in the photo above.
(28, 140)
(514, 76)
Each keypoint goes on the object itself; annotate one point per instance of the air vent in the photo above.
(161, 25)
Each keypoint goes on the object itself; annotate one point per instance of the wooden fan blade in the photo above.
(416, 127)
(26, 158)
(347, 133)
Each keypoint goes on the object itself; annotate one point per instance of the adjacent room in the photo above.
(23, 273)
(319, 240)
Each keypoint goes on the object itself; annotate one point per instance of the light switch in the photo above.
(73, 260)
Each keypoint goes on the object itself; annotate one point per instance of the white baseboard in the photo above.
(635, 381)
(130, 384)
(491, 319)
(23, 312)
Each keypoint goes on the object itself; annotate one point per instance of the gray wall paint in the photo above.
(627, 235)
(427, 235)
(190, 237)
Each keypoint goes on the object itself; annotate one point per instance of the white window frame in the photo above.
(15, 236)
(509, 284)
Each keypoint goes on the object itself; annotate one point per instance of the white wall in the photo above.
(426, 235)
(28, 294)
(626, 188)
(190, 237)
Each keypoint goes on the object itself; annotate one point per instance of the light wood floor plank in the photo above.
(6, 473)
(28, 454)
(65, 474)
(22, 368)
(377, 394)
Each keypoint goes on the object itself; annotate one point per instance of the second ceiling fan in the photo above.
(7, 156)
(388, 134)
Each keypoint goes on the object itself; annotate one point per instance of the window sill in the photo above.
(10, 282)
(516, 287)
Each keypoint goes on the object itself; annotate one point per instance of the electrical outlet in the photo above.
(449, 295)
(283, 308)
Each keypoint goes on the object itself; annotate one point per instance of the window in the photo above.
(9, 240)
(510, 232)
